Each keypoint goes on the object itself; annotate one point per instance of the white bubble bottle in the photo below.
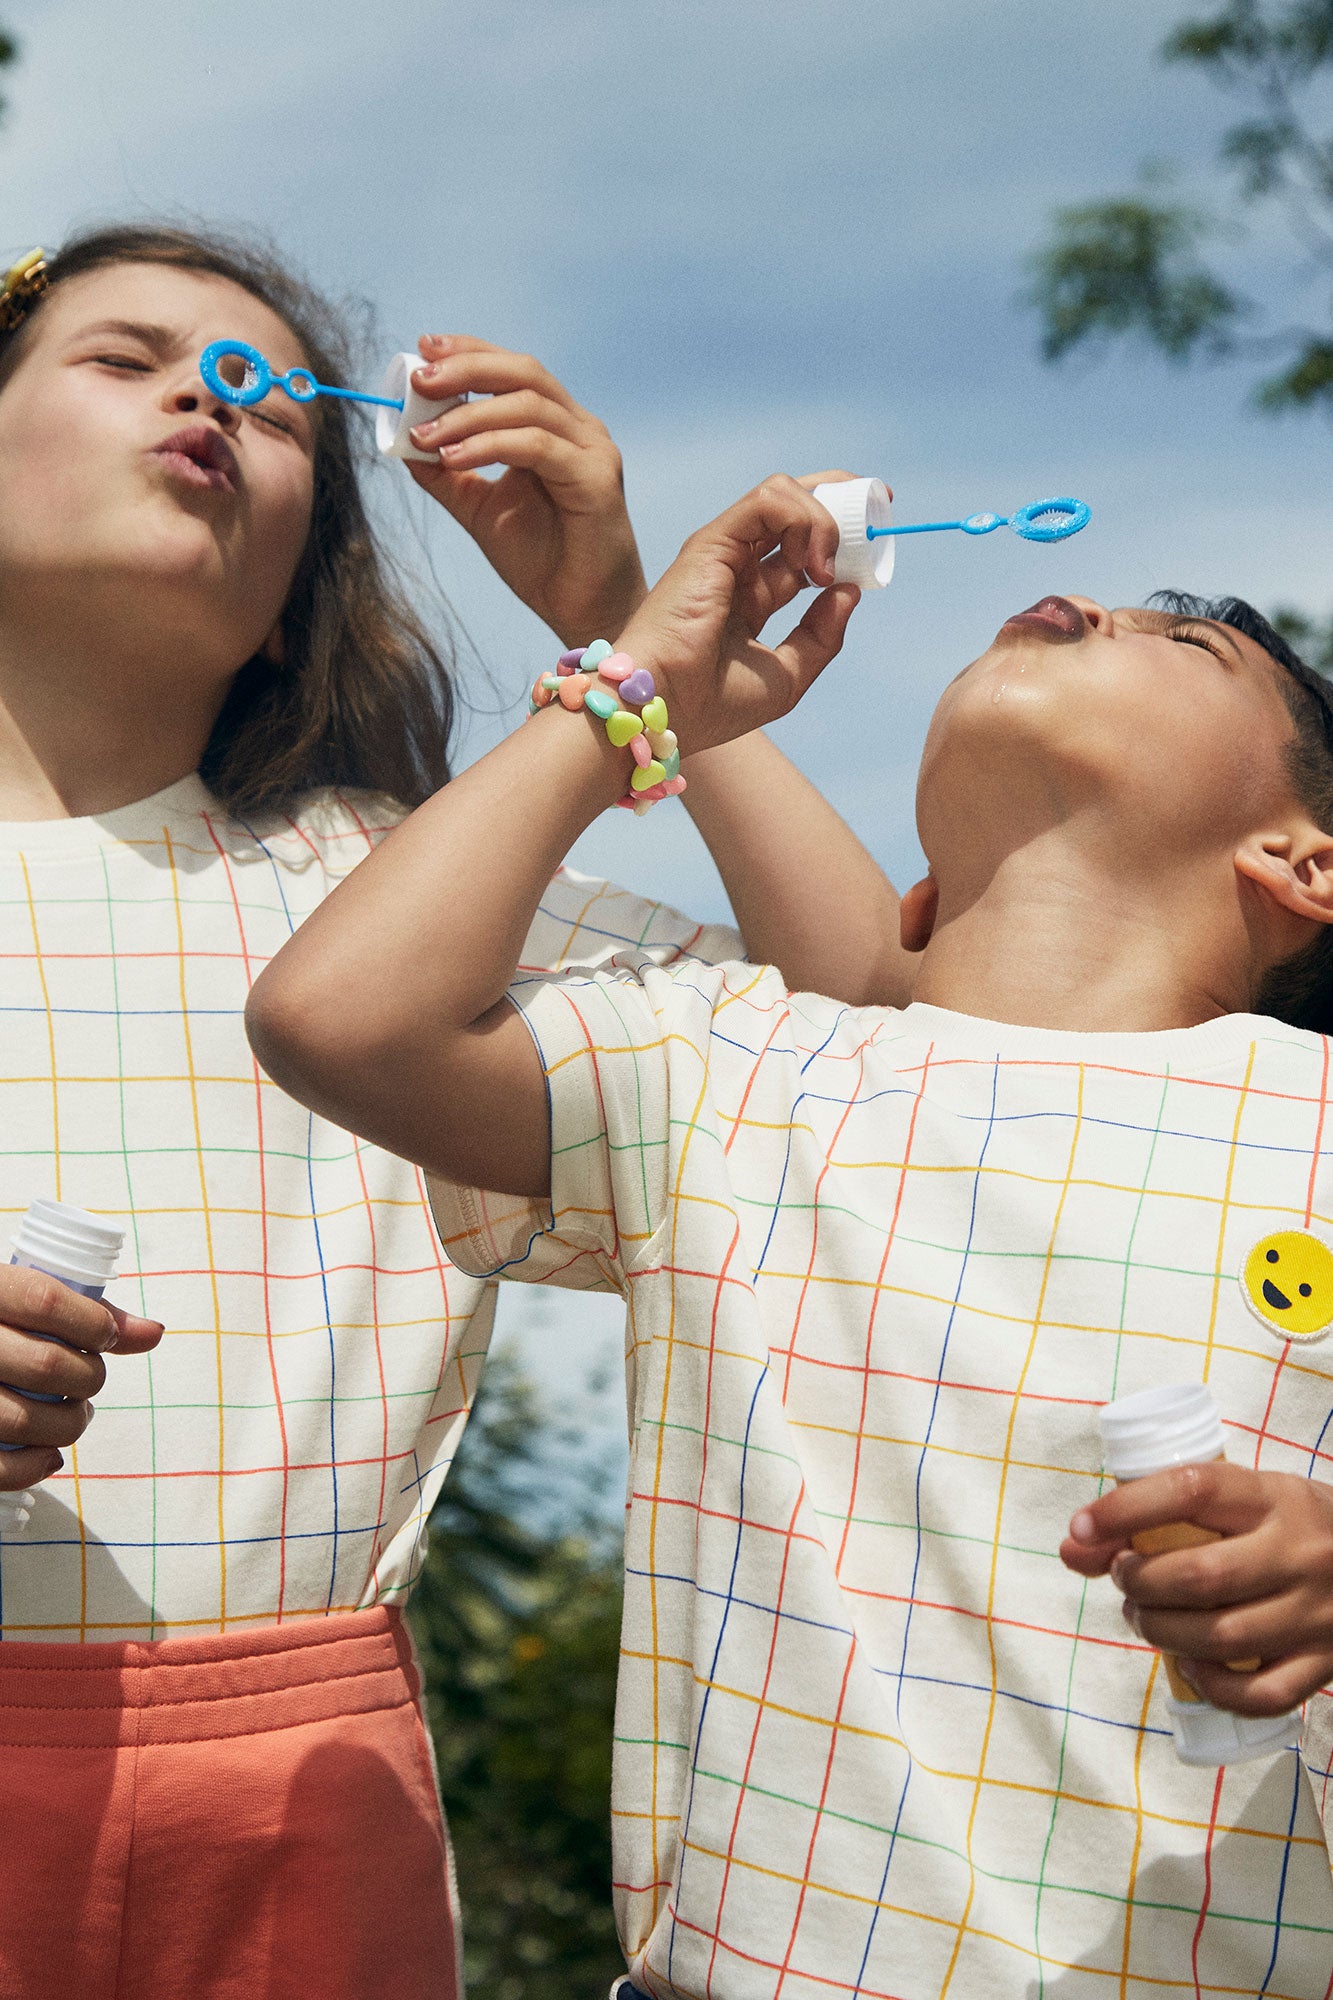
(1179, 1424)
(82, 1252)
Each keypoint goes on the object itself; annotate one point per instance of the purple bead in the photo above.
(570, 660)
(638, 686)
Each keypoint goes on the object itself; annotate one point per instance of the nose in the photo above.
(1099, 618)
(189, 396)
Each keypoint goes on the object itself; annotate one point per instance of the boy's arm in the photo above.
(386, 1011)
(805, 893)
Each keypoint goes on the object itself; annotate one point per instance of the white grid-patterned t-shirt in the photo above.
(872, 1736)
(277, 1455)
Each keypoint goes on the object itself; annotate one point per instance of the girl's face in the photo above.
(128, 491)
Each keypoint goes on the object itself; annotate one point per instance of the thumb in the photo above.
(133, 1334)
(809, 646)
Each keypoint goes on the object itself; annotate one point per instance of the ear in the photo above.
(916, 914)
(274, 649)
(1294, 871)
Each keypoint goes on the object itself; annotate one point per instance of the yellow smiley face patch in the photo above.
(1287, 1280)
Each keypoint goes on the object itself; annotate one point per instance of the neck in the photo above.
(1052, 940)
(87, 726)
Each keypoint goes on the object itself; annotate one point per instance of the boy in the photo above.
(884, 1264)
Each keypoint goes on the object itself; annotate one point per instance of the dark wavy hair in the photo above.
(364, 697)
(1300, 989)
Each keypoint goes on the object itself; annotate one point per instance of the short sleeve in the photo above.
(582, 921)
(601, 1041)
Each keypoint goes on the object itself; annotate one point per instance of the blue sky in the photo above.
(751, 237)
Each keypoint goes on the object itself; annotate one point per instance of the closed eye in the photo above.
(1191, 635)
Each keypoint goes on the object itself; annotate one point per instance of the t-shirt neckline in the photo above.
(142, 819)
(1216, 1040)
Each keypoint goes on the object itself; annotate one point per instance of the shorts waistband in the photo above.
(193, 1689)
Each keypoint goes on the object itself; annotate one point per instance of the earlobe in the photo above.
(917, 912)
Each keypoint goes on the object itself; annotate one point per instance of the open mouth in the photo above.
(1275, 1298)
(200, 456)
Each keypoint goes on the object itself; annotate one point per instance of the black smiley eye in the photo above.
(1271, 1256)
(1304, 1291)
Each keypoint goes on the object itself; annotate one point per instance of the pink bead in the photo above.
(640, 749)
(616, 668)
(629, 803)
(652, 795)
(541, 694)
(673, 787)
(572, 690)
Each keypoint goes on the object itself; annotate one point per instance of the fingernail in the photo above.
(53, 1464)
(420, 433)
(1083, 1528)
(431, 372)
(1188, 1670)
(1129, 1611)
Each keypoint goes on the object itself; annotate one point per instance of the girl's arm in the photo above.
(555, 526)
(386, 1011)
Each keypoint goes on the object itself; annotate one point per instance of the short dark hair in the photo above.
(364, 698)
(1300, 989)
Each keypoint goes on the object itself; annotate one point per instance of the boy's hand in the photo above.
(70, 1366)
(554, 525)
(697, 630)
(1264, 1592)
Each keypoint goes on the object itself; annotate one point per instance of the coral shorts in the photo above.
(244, 1817)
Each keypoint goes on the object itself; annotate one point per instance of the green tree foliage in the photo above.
(8, 51)
(518, 1630)
(1138, 264)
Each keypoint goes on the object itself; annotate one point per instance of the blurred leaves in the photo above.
(518, 1627)
(1136, 265)
(1311, 637)
(8, 52)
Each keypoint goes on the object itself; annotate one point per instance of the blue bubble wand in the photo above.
(240, 375)
(1042, 521)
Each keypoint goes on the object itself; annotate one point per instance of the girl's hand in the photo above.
(554, 525)
(697, 631)
(69, 1365)
(1263, 1592)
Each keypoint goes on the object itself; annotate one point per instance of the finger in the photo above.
(41, 1425)
(49, 1367)
(1226, 1498)
(1090, 1558)
(33, 1302)
(25, 1468)
(1236, 1570)
(458, 363)
(462, 494)
(1262, 1631)
(809, 647)
(523, 409)
(1281, 1685)
(552, 459)
(771, 588)
(134, 1334)
(781, 514)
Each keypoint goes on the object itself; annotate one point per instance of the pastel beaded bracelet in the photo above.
(603, 682)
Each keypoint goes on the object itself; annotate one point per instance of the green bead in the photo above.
(593, 655)
(671, 764)
(602, 703)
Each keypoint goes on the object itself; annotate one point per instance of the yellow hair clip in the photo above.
(23, 282)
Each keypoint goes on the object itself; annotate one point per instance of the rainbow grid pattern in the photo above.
(278, 1454)
(872, 1737)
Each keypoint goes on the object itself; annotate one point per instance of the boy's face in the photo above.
(124, 480)
(1156, 729)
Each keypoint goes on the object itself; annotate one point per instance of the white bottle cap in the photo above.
(1207, 1735)
(1177, 1424)
(392, 426)
(858, 504)
(68, 1243)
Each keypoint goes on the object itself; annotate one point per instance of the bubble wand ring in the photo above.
(240, 375)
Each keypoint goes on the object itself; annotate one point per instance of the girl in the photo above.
(213, 702)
